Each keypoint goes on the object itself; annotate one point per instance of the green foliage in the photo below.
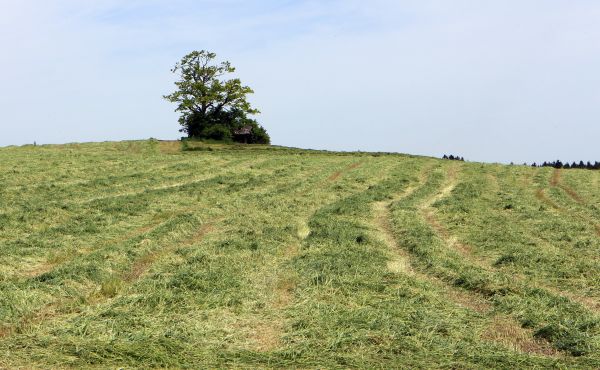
(259, 135)
(205, 98)
(111, 287)
(216, 132)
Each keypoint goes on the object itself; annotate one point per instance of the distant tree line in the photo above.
(453, 157)
(581, 165)
(554, 164)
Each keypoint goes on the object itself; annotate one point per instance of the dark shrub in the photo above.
(216, 132)
(259, 135)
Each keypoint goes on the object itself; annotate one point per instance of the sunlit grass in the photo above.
(143, 254)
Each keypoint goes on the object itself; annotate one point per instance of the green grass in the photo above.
(149, 254)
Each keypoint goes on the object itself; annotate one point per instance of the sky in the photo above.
(489, 80)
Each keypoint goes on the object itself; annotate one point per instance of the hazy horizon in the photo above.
(500, 81)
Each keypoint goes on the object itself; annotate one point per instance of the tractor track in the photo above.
(504, 330)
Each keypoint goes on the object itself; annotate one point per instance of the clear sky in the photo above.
(500, 81)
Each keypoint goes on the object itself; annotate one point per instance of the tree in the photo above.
(204, 97)
(558, 164)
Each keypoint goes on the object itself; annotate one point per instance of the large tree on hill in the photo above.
(206, 99)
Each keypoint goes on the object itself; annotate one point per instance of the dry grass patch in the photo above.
(266, 336)
(284, 291)
(469, 300)
(506, 332)
(337, 174)
(143, 264)
(170, 146)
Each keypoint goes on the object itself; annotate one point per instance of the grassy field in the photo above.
(139, 254)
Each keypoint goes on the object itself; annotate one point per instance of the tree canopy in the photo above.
(212, 106)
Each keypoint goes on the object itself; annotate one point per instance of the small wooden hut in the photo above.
(243, 134)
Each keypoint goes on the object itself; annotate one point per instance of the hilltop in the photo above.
(141, 254)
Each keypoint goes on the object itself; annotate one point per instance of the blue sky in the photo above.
(500, 81)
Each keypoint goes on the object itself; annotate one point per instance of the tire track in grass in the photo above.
(286, 295)
(142, 264)
(108, 290)
(103, 175)
(267, 336)
(401, 263)
(555, 181)
(263, 331)
(153, 192)
(180, 184)
(428, 213)
(505, 331)
(55, 261)
(543, 346)
(589, 303)
(501, 330)
(145, 262)
(77, 202)
(525, 182)
(336, 175)
(541, 195)
(67, 256)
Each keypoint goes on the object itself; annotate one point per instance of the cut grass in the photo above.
(138, 254)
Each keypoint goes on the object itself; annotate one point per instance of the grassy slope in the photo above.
(136, 254)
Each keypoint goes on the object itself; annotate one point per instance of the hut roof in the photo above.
(246, 130)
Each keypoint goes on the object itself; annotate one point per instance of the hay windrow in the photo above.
(140, 255)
